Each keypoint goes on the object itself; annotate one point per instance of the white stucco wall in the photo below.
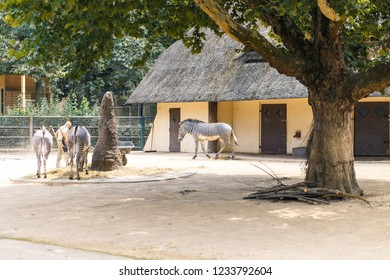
(243, 116)
(299, 118)
(246, 125)
(159, 137)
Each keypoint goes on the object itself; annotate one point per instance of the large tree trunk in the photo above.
(331, 160)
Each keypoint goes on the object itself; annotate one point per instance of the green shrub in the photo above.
(69, 106)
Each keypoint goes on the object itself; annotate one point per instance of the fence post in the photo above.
(31, 128)
(2, 102)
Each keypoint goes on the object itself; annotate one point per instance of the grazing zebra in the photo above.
(42, 142)
(202, 131)
(79, 142)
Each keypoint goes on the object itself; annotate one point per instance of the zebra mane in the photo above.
(192, 121)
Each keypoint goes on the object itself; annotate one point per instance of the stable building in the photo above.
(269, 112)
(19, 90)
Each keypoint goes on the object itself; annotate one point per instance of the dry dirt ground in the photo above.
(202, 216)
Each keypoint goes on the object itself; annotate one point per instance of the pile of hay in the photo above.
(63, 173)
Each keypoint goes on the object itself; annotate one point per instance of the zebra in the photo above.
(202, 131)
(42, 142)
(79, 142)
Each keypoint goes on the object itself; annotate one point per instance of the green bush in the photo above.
(69, 106)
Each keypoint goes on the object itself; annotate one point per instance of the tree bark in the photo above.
(330, 147)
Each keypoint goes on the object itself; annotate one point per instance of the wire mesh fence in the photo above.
(16, 131)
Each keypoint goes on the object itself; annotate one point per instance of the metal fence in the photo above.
(16, 131)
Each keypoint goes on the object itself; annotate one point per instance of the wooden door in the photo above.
(273, 129)
(371, 133)
(174, 119)
(212, 145)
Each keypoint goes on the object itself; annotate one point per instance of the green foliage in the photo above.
(67, 107)
(120, 72)
(79, 33)
(366, 29)
(72, 102)
(366, 24)
(15, 56)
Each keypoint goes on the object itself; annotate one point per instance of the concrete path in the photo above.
(24, 250)
(202, 216)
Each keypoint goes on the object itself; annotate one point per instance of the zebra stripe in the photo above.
(202, 131)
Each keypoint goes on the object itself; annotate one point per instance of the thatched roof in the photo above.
(219, 73)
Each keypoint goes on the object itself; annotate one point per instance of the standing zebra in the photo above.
(202, 131)
(42, 142)
(79, 142)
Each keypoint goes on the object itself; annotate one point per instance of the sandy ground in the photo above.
(202, 216)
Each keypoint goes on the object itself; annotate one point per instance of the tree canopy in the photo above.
(119, 70)
(81, 32)
(13, 58)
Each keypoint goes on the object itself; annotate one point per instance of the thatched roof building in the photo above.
(219, 73)
(269, 111)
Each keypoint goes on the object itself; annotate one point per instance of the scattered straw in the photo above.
(63, 173)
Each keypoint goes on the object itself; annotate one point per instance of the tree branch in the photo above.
(328, 45)
(291, 35)
(276, 57)
(371, 80)
(328, 10)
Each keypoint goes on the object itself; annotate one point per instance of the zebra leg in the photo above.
(66, 157)
(231, 148)
(39, 166)
(203, 148)
(222, 147)
(59, 154)
(44, 166)
(196, 149)
(71, 163)
(78, 159)
(81, 163)
(86, 161)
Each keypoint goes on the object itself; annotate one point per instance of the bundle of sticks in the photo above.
(304, 192)
(308, 192)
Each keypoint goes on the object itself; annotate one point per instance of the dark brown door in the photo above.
(174, 119)
(371, 129)
(273, 128)
(212, 145)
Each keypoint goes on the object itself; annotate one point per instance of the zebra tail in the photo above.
(234, 138)
(43, 150)
(75, 135)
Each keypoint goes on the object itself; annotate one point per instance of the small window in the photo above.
(251, 57)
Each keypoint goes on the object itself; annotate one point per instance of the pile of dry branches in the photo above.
(308, 192)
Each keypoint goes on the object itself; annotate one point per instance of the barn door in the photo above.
(273, 128)
(174, 119)
(371, 129)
